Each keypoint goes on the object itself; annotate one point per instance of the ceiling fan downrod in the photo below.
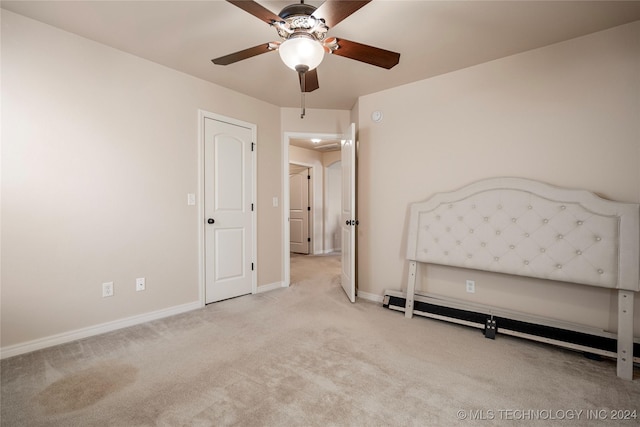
(302, 69)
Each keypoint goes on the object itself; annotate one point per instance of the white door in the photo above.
(299, 210)
(348, 213)
(228, 210)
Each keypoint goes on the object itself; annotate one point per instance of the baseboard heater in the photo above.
(591, 341)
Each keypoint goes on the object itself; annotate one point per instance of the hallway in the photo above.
(307, 268)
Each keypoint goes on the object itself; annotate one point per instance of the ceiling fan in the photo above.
(303, 29)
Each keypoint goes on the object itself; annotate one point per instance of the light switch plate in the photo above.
(191, 199)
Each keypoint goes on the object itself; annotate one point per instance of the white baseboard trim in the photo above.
(370, 297)
(65, 337)
(270, 287)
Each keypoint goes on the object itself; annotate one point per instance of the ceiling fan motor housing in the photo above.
(298, 18)
(296, 9)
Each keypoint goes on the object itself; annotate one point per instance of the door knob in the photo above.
(348, 222)
(211, 220)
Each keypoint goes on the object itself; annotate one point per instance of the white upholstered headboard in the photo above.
(529, 228)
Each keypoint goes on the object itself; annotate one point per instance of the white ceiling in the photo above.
(323, 146)
(433, 37)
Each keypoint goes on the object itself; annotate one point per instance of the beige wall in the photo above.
(99, 151)
(567, 114)
(332, 161)
(333, 205)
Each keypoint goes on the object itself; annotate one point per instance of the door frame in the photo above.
(202, 115)
(286, 254)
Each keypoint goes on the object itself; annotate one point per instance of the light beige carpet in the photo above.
(305, 356)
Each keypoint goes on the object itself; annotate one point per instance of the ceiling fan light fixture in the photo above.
(301, 52)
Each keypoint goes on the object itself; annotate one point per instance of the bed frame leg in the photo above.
(625, 334)
(411, 290)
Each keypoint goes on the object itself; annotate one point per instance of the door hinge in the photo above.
(252, 266)
(251, 207)
(253, 144)
(308, 239)
(308, 208)
(308, 176)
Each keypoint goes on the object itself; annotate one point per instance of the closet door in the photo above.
(299, 210)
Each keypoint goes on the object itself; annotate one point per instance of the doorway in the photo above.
(325, 207)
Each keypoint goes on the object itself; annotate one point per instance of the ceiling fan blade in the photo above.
(369, 54)
(334, 11)
(243, 54)
(256, 10)
(310, 81)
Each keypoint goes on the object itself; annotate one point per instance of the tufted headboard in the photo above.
(529, 228)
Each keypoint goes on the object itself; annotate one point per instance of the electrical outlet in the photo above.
(471, 286)
(107, 289)
(140, 285)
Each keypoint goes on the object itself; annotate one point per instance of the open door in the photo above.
(348, 213)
